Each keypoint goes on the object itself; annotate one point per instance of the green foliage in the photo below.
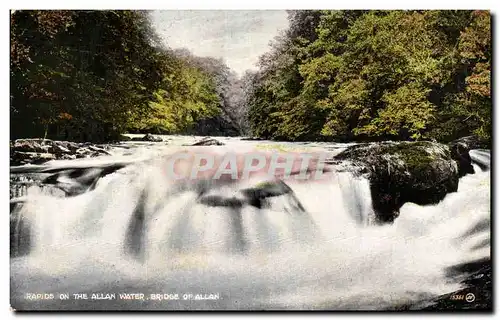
(377, 74)
(78, 75)
(92, 75)
(187, 95)
(345, 74)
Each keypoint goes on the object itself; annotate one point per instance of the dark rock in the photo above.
(59, 149)
(220, 201)
(149, 138)
(36, 151)
(257, 196)
(71, 146)
(124, 138)
(460, 153)
(68, 157)
(252, 139)
(99, 150)
(471, 142)
(267, 189)
(208, 142)
(31, 145)
(31, 157)
(84, 153)
(418, 172)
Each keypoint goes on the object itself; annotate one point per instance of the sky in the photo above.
(239, 37)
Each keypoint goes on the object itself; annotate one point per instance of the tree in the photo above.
(80, 75)
(363, 75)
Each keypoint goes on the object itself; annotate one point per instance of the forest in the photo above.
(341, 75)
(376, 75)
(93, 75)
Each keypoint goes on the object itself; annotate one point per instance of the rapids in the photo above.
(137, 232)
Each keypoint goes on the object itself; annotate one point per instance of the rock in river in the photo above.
(208, 142)
(31, 157)
(460, 152)
(400, 172)
(37, 151)
(149, 138)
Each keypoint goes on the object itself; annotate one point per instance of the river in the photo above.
(135, 233)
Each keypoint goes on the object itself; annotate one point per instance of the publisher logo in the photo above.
(470, 297)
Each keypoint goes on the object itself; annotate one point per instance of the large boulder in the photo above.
(418, 172)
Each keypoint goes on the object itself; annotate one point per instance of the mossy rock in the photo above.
(418, 172)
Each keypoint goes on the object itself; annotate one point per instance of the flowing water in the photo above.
(137, 232)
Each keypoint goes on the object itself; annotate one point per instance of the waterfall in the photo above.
(480, 158)
(312, 248)
(357, 198)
